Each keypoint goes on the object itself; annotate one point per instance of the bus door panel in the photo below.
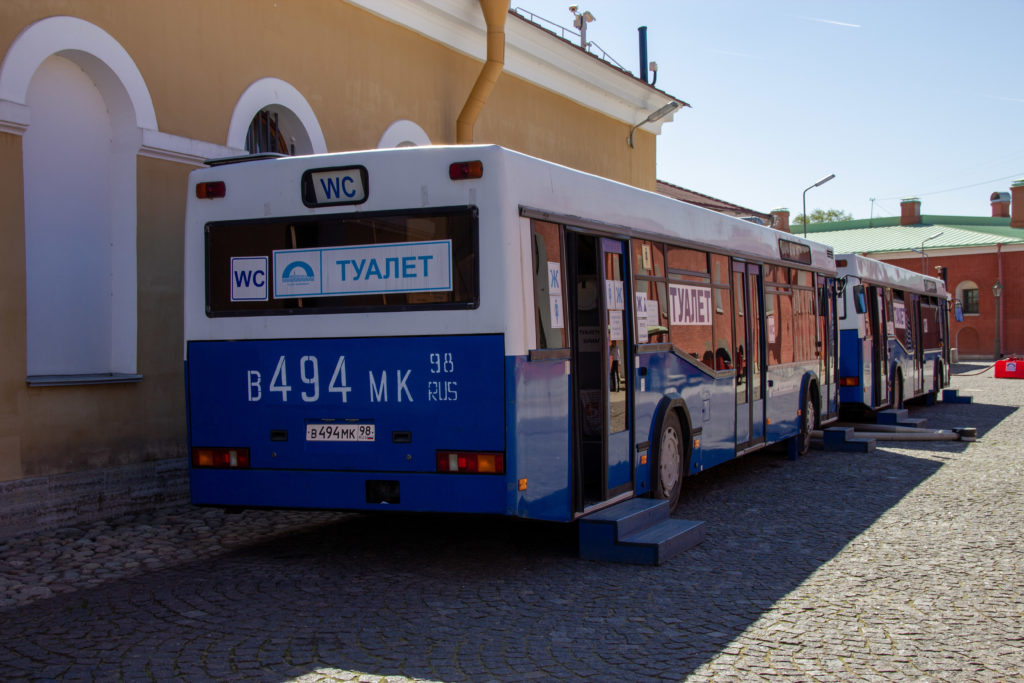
(827, 346)
(601, 358)
(914, 321)
(620, 365)
(879, 347)
(748, 312)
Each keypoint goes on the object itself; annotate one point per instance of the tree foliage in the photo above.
(822, 216)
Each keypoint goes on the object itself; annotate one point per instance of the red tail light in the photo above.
(224, 458)
(466, 170)
(468, 462)
(211, 190)
(849, 381)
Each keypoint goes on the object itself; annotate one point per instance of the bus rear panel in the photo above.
(350, 423)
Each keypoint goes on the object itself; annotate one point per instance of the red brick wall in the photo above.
(975, 336)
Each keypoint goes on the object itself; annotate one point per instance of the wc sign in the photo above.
(249, 278)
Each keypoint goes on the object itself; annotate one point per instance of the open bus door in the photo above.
(748, 311)
(879, 347)
(916, 333)
(602, 359)
(828, 346)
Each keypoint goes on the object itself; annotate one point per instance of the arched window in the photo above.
(403, 133)
(88, 105)
(967, 295)
(272, 116)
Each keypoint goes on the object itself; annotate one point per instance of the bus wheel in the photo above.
(807, 420)
(668, 472)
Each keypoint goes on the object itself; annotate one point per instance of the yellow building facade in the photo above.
(106, 107)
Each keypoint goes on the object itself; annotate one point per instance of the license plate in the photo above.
(346, 431)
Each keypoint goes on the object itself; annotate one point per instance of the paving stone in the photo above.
(904, 566)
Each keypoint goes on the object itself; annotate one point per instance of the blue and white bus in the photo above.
(469, 329)
(894, 334)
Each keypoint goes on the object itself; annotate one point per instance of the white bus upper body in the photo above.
(512, 184)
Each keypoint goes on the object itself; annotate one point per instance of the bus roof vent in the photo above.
(828, 252)
(224, 161)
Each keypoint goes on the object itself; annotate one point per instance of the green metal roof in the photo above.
(867, 236)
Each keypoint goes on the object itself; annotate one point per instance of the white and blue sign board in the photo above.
(249, 278)
(371, 269)
(335, 186)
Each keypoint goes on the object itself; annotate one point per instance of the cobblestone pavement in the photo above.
(902, 564)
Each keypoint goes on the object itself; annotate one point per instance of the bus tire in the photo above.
(808, 420)
(669, 461)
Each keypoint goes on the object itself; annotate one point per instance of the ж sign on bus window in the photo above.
(370, 269)
(555, 294)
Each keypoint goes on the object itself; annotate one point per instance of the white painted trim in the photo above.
(273, 91)
(72, 38)
(157, 145)
(402, 131)
(532, 54)
(14, 117)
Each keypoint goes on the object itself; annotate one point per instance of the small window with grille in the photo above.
(266, 136)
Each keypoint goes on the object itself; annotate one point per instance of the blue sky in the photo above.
(896, 97)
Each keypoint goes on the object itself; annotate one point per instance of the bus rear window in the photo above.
(343, 263)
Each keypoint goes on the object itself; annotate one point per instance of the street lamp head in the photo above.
(824, 180)
(997, 289)
(654, 116)
(662, 112)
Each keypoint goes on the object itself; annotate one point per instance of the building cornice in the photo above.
(532, 54)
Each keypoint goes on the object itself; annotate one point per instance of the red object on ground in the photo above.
(1012, 368)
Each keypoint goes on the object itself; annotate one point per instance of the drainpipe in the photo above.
(495, 12)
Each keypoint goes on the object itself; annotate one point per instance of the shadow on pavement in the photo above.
(463, 599)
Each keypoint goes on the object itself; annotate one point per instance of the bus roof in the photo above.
(542, 189)
(877, 272)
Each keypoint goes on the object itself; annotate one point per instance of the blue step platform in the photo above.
(637, 531)
(843, 439)
(953, 396)
(898, 417)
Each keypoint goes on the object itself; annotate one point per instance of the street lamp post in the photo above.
(820, 182)
(924, 257)
(655, 116)
(997, 291)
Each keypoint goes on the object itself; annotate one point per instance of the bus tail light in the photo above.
(466, 170)
(470, 462)
(211, 190)
(236, 458)
(849, 381)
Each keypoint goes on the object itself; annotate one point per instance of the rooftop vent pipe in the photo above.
(495, 12)
(643, 53)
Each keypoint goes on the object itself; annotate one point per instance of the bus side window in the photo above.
(859, 302)
(548, 280)
(649, 271)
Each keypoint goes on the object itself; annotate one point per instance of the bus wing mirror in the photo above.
(958, 311)
(860, 304)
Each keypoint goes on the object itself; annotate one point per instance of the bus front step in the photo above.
(637, 531)
(953, 396)
(899, 417)
(844, 439)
